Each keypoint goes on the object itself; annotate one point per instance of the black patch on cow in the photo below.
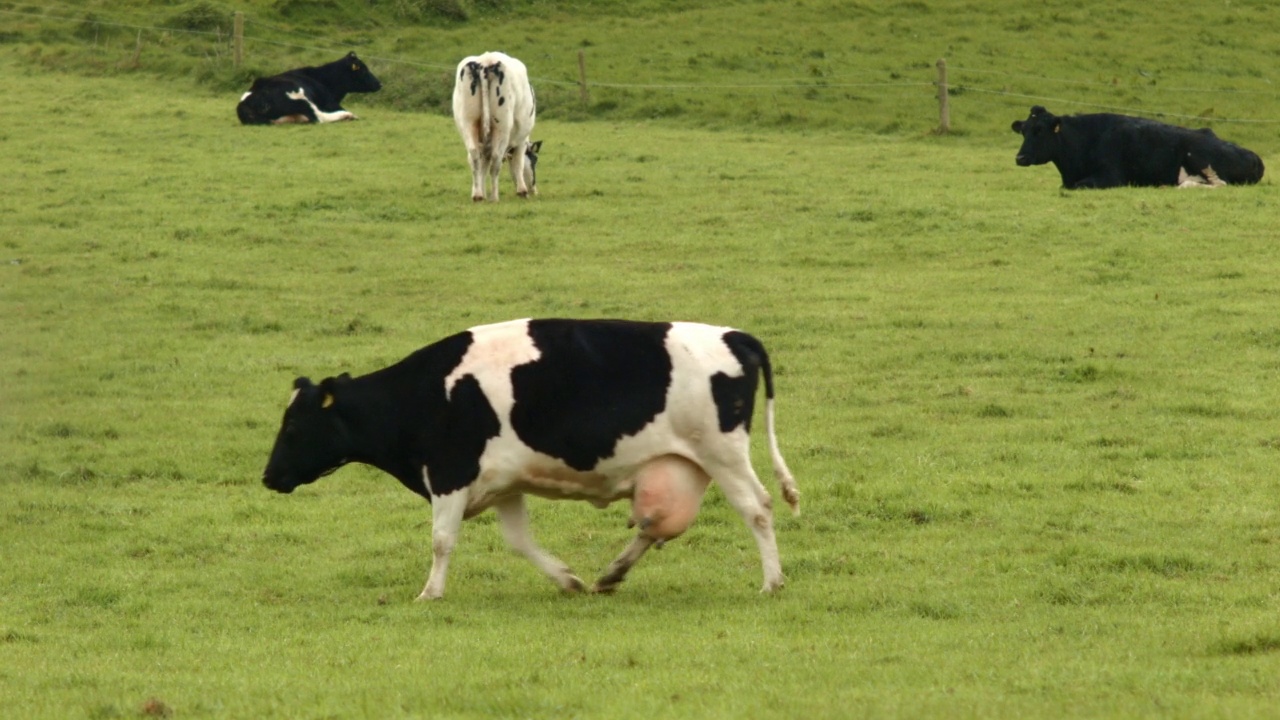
(397, 419)
(735, 396)
(595, 383)
(474, 69)
(496, 70)
(501, 101)
(461, 433)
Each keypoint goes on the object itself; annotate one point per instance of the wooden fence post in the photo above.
(944, 102)
(582, 78)
(238, 39)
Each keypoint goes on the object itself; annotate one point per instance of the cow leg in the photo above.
(300, 105)
(493, 172)
(474, 157)
(518, 161)
(745, 493)
(617, 570)
(514, 520)
(446, 521)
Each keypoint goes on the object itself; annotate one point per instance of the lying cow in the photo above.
(306, 95)
(595, 410)
(1104, 151)
(494, 109)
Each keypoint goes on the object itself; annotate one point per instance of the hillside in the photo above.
(794, 65)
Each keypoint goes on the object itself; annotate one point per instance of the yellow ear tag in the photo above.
(327, 401)
(355, 68)
(1057, 128)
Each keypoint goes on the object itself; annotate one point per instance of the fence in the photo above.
(946, 91)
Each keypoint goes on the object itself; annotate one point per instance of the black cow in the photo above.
(595, 410)
(306, 95)
(1103, 150)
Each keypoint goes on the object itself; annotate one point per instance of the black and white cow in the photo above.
(494, 109)
(1104, 150)
(306, 95)
(595, 410)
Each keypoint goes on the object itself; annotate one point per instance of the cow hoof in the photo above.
(604, 589)
(477, 198)
(771, 586)
(573, 585)
(425, 596)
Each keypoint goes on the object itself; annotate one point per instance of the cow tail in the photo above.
(486, 113)
(786, 480)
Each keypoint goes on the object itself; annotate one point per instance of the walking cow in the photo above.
(1104, 151)
(595, 410)
(494, 109)
(306, 95)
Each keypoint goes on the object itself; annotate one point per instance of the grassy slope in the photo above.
(1035, 431)
(802, 64)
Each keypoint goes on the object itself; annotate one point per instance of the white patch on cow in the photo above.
(1206, 179)
(245, 96)
(293, 396)
(495, 349)
(509, 467)
(321, 116)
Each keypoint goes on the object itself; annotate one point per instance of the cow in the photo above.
(306, 95)
(1103, 150)
(594, 410)
(494, 109)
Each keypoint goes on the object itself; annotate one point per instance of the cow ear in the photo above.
(1017, 126)
(535, 147)
(330, 386)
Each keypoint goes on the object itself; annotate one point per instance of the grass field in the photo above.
(1037, 433)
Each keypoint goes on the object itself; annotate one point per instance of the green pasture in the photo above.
(1036, 433)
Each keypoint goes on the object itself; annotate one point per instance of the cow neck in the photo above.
(1070, 159)
(388, 411)
(331, 78)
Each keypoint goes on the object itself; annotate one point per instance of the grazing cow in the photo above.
(595, 410)
(306, 95)
(1104, 150)
(494, 109)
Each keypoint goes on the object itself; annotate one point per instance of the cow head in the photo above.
(1039, 137)
(313, 440)
(531, 165)
(361, 79)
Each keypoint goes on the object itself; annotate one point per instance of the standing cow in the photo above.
(494, 109)
(595, 410)
(306, 95)
(1104, 151)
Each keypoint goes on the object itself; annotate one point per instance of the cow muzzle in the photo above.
(278, 484)
(1023, 160)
